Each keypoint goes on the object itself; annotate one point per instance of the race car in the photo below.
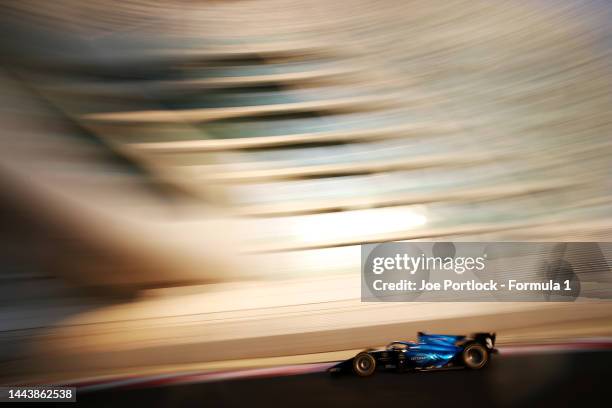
(429, 352)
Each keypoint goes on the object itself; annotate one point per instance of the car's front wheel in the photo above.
(475, 356)
(364, 364)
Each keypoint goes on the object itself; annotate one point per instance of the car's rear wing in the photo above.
(486, 339)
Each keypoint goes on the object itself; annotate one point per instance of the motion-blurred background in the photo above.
(187, 183)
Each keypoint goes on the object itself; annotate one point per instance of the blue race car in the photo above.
(430, 352)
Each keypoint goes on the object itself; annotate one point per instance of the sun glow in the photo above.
(356, 224)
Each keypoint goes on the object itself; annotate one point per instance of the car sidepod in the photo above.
(431, 355)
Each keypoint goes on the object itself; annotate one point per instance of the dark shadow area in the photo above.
(556, 379)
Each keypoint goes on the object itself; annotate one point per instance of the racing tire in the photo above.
(364, 365)
(475, 356)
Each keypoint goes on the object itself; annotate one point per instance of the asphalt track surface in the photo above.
(554, 378)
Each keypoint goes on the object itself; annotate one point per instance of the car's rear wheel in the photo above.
(475, 356)
(364, 364)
